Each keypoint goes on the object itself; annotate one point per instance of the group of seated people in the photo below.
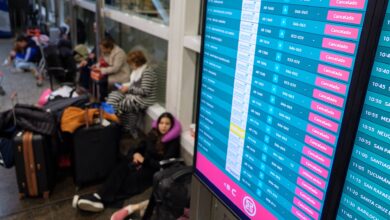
(126, 82)
(129, 84)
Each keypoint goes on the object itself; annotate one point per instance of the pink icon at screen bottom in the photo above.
(249, 206)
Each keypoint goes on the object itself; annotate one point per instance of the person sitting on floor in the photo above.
(134, 174)
(25, 56)
(135, 96)
(111, 67)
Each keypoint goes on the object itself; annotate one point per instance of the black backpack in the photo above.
(171, 191)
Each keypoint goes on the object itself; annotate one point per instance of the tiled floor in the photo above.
(58, 206)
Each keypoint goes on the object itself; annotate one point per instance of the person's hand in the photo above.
(96, 75)
(83, 63)
(138, 158)
(124, 89)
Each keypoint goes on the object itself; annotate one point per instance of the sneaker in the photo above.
(75, 201)
(130, 209)
(142, 207)
(120, 215)
(2, 91)
(90, 203)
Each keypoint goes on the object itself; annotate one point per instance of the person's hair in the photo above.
(166, 115)
(136, 57)
(107, 43)
(159, 145)
(21, 38)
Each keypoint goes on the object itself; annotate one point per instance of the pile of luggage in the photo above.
(63, 130)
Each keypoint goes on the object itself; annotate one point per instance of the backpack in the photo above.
(171, 191)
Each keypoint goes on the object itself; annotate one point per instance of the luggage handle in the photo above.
(14, 96)
(86, 115)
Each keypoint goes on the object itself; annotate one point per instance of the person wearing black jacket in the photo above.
(134, 174)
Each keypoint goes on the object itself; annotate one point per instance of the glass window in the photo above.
(155, 49)
(88, 18)
(157, 10)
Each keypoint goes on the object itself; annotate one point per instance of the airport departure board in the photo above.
(274, 85)
(366, 193)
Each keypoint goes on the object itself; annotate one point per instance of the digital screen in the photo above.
(274, 84)
(366, 193)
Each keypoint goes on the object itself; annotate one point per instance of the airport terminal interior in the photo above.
(195, 109)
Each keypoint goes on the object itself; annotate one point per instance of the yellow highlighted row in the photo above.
(237, 130)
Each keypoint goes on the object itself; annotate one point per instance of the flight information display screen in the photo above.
(275, 81)
(366, 193)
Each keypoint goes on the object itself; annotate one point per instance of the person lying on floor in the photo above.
(134, 174)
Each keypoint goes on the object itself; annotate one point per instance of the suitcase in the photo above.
(35, 170)
(95, 150)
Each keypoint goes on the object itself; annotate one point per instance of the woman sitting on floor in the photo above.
(135, 96)
(134, 174)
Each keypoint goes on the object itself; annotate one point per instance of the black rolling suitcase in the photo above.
(95, 149)
(35, 170)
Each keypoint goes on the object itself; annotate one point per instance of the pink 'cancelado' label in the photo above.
(353, 4)
(326, 110)
(345, 17)
(299, 214)
(318, 145)
(341, 31)
(324, 122)
(331, 85)
(307, 198)
(314, 155)
(310, 188)
(339, 45)
(329, 98)
(333, 72)
(314, 167)
(305, 208)
(321, 134)
(336, 59)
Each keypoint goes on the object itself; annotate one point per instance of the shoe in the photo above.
(90, 203)
(142, 207)
(120, 215)
(130, 209)
(2, 92)
(75, 201)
